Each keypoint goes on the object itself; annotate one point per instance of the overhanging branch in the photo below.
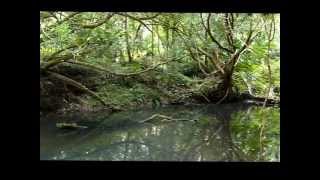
(235, 57)
(136, 19)
(208, 29)
(150, 17)
(121, 74)
(64, 20)
(228, 21)
(91, 26)
(58, 52)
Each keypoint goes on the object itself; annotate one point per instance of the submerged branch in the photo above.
(164, 118)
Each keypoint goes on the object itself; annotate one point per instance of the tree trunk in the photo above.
(127, 39)
(167, 39)
(152, 42)
(172, 44)
(158, 39)
(205, 57)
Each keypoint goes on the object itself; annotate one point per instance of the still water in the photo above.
(228, 132)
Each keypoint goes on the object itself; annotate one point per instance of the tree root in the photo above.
(164, 118)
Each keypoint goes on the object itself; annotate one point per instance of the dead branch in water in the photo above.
(164, 118)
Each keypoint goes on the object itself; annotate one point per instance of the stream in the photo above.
(226, 132)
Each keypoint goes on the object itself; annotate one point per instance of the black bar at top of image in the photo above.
(164, 5)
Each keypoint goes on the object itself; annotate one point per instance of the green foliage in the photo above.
(129, 60)
(173, 35)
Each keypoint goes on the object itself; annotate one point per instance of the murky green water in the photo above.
(230, 132)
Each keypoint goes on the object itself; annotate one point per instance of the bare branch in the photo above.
(232, 21)
(228, 29)
(137, 33)
(201, 67)
(62, 21)
(200, 63)
(57, 61)
(208, 29)
(134, 18)
(214, 59)
(54, 16)
(58, 52)
(61, 59)
(91, 26)
(248, 42)
(164, 118)
(235, 57)
(150, 17)
(139, 20)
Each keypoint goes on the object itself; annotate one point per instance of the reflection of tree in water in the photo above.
(245, 130)
(216, 141)
(215, 137)
(219, 135)
(232, 151)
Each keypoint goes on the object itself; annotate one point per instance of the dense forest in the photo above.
(119, 61)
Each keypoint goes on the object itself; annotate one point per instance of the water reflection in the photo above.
(223, 133)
